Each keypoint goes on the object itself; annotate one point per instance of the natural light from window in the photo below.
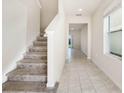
(113, 33)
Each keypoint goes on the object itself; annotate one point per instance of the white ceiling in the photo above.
(87, 6)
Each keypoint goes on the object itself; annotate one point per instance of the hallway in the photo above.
(82, 76)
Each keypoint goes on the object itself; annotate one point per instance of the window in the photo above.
(113, 33)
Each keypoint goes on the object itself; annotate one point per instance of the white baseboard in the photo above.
(50, 85)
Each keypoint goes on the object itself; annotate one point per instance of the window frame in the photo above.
(107, 31)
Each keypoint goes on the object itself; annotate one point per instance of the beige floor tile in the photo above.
(102, 90)
(62, 90)
(74, 90)
(88, 90)
(83, 76)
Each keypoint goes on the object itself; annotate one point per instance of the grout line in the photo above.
(80, 83)
(91, 82)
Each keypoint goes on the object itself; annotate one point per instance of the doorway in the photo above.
(78, 38)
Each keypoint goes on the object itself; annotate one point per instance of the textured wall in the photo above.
(112, 66)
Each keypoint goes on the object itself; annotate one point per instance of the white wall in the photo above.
(76, 39)
(33, 20)
(84, 39)
(48, 12)
(110, 65)
(19, 25)
(56, 49)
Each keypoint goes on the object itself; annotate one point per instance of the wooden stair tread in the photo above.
(33, 61)
(19, 71)
(24, 86)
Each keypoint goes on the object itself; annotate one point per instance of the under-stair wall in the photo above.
(56, 46)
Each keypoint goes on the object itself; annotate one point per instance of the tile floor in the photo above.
(82, 76)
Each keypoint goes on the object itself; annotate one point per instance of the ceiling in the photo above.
(76, 27)
(80, 7)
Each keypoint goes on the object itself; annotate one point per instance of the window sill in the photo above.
(113, 56)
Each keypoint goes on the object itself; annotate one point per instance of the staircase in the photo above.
(30, 76)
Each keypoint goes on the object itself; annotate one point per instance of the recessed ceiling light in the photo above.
(80, 9)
